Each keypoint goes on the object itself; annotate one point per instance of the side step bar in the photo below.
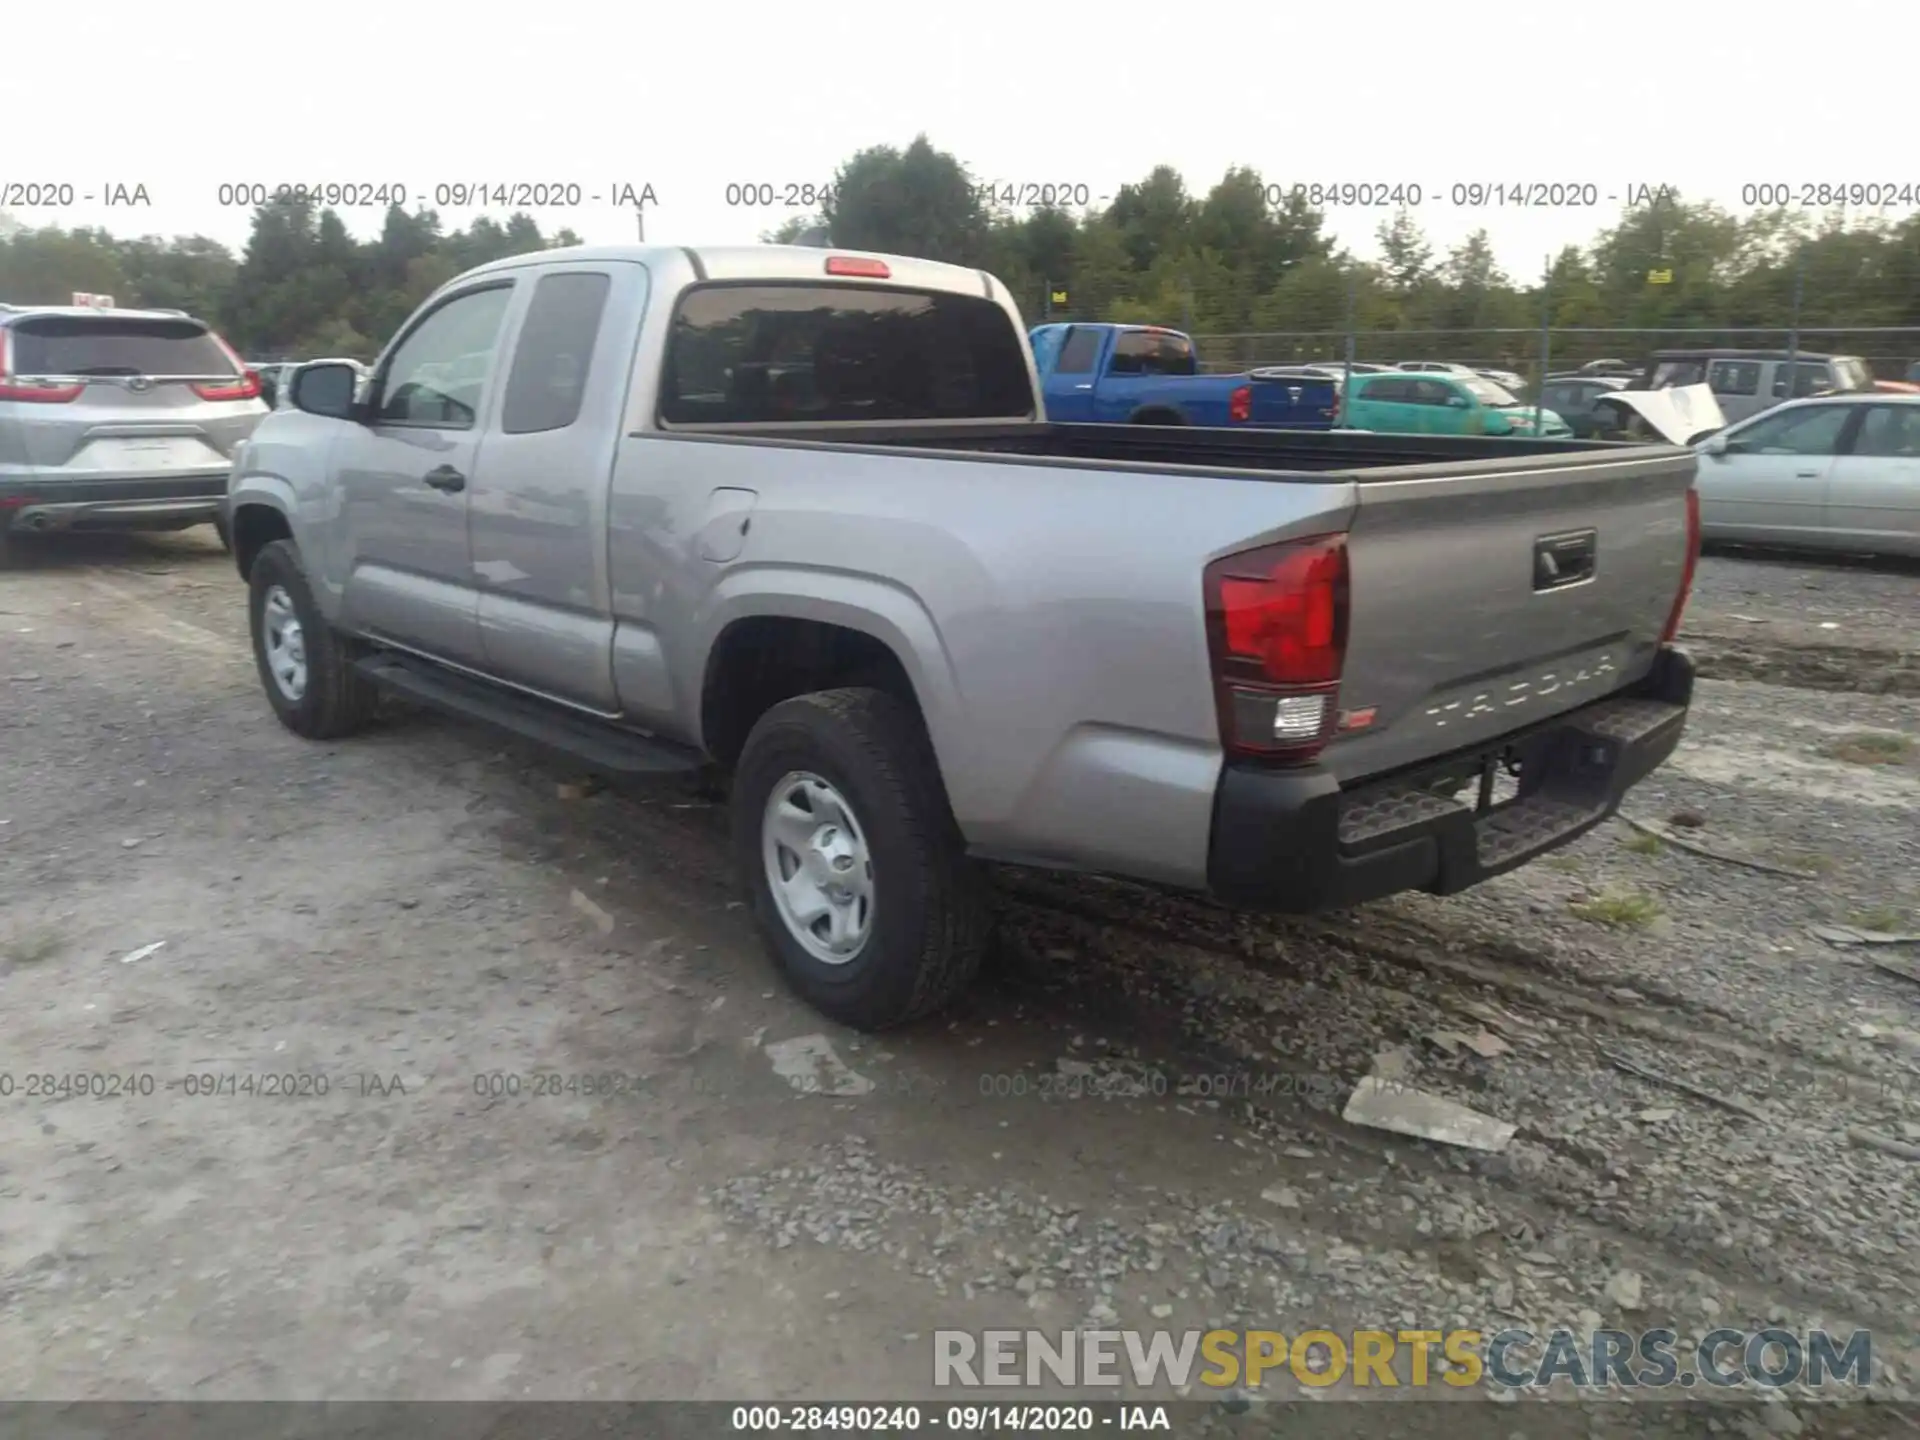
(603, 748)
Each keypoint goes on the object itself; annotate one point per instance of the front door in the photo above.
(1771, 484)
(538, 507)
(1432, 409)
(400, 537)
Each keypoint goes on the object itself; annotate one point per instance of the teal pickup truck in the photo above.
(1427, 404)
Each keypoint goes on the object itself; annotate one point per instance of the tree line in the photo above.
(1237, 259)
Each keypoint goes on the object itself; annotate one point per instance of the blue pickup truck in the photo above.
(1146, 375)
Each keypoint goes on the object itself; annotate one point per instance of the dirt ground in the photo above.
(542, 1142)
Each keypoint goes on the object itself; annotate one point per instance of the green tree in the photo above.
(918, 201)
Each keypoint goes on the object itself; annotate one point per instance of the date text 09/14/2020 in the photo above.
(441, 195)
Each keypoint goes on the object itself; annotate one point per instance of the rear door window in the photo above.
(1734, 377)
(800, 352)
(101, 345)
(1889, 432)
(1152, 352)
(1078, 355)
(1808, 378)
(549, 374)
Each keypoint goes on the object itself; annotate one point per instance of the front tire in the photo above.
(859, 878)
(306, 666)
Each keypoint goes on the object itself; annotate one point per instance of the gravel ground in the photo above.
(1828, 623)
(1134, 1120)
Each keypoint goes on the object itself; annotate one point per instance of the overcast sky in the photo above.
(1706, 97)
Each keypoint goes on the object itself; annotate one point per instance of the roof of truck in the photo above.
(751, 262)
(1715, 352)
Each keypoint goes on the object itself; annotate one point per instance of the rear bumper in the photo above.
(1293, 840)
(113, 502)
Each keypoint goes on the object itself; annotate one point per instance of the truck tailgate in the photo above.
(1487, 596)
(1292, 401)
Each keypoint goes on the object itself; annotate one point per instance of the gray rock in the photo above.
(1624, 1289)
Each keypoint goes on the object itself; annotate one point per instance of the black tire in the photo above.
(336, 700)
(929, 916)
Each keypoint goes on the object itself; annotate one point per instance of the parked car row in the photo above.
(1149, 375)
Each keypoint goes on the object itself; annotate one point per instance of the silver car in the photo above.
(116, 419)
(1836, 473)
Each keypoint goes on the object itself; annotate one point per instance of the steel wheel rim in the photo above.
(285, 642)
(819, 868)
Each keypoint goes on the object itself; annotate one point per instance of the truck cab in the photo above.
(1148, 375)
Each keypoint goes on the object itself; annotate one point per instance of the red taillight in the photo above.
(247, 387)
(13, 388)
(1277, 626)
(858, 265)
(1240, 404)
(1687, 568)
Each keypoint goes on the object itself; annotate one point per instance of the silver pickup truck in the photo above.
(799, 515)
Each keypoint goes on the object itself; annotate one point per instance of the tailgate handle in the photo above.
(1563, 560)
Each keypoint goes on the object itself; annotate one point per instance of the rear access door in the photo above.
(122, 396)
(1488, 595)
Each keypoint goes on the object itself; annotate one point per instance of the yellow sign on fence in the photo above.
(1659, 277)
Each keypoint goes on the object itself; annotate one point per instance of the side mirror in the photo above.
(1714, 444)
(1458, 402)
(326, 387)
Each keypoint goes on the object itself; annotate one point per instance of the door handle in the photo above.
(446, 478)
(1807, 475)
(1083, 387)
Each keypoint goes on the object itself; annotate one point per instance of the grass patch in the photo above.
(1641, 843)
(1565, 864)
(1884, 918)
(31, 947)
(1870, 747)
(1624, 910)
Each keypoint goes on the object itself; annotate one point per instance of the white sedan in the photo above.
(1840, 472)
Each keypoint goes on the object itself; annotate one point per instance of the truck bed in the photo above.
(1496, 581)
(1294, 454)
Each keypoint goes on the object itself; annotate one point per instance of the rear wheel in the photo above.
(306, 667)
(859, 878)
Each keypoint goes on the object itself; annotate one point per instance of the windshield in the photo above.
(1488, 393)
